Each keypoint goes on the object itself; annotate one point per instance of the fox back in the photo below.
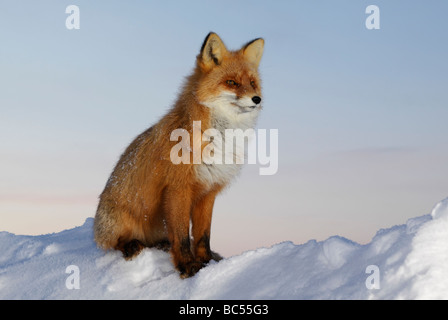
(149, 200)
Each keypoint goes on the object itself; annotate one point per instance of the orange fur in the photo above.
(148, 200)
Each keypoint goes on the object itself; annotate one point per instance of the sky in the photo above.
(362, 115)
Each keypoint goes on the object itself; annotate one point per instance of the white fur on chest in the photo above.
(226, 115)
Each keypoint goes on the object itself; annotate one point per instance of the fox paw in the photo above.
(189, 269)
(216, 256)
(132, 249)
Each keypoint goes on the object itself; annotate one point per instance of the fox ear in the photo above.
(253, 51)
(212, 52)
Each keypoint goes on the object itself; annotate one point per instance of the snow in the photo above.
(403, 262)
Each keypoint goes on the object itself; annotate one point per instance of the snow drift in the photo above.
(403, 262)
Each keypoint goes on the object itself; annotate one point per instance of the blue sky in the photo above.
(362, 114)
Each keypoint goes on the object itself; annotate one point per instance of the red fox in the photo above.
(148, 200)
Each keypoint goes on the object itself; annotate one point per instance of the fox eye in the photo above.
(232, 83)
(252, 83)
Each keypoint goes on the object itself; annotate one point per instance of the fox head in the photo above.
(229, 83)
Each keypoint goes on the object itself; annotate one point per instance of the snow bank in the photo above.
(403, 262)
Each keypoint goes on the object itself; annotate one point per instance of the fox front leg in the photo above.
(178, 206)
(202, 219)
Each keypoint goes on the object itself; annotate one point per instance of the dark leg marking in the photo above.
(132, 249)
(164, 245)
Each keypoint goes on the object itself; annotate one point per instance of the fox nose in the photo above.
(256, 99)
